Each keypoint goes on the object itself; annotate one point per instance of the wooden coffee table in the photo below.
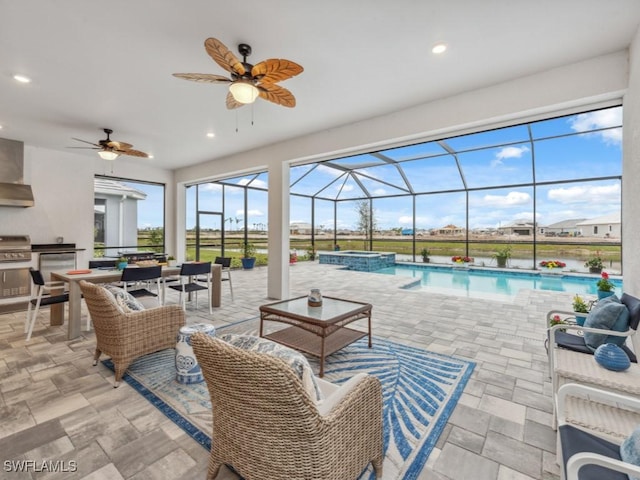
(318, 331)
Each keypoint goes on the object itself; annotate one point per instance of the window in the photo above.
(128, 217)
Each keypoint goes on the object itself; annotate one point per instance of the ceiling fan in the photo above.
(110, 149)
(247, 81)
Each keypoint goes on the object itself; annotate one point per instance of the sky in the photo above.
(487, 159)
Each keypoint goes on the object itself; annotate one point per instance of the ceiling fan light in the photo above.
(244, 92)
(107, 155)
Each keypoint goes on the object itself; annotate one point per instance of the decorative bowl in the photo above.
(612, 357)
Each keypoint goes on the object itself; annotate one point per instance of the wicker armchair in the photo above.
(127, 336)
(265, 424)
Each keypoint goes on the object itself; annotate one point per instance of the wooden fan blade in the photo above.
(84, 141)
(277, 94)
(119, 145)
(232, 102)
(132, 153)
(223, 56)
(203, 77)
(275, 70)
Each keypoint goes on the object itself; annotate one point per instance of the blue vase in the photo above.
(612, 357)
(602, 294)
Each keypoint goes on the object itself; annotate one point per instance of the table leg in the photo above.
(321, 357)
(216, 287)
(370, 344)
(261, 324)
(56, 311)
(75, 297)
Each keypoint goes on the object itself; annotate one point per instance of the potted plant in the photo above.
(502, 255)
(594, 264)
(556, 320)
(122, 263)
(605, 286)
(581, 309)
(171, 261)
(248, 256)
(311, 254)
(425, 255)
(293, 257)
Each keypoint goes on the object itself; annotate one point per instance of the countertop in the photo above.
(55, 248)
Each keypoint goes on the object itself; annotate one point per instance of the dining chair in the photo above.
(188, 284)
(41, 296)
(225, 262)
(140, 279)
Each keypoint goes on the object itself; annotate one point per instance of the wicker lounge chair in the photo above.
(127, 336)
(591, 430)
(266, 425)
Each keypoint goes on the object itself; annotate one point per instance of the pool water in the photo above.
(486, 283)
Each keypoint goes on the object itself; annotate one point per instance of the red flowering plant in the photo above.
(604, 284)
(556, 320)
(552, 264)
(459, 259)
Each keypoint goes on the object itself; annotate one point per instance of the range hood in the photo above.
(13, 191)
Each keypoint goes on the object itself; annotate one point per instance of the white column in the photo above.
(631, 173)
(278, 275)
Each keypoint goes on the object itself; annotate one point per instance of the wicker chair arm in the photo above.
(595, 394)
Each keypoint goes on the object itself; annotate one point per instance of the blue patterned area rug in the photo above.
(420, 391)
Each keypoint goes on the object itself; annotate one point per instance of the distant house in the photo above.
(300, 228)
(116, 212)
(565, 228)
(517, 227)
(407, 231)
(450, 230)
(607, 226)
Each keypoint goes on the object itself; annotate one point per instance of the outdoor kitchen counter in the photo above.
(108, 276)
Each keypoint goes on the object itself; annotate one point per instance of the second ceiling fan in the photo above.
(247, 81)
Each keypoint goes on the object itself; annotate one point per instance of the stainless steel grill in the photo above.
(15, 248)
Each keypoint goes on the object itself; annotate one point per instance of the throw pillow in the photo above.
(295, 360)
(630, 450)
(604, 315)
(125, 301)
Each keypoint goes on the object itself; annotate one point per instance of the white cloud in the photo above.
(379, 191)
(332, 172)
(255, 183)
(600, 119)
(508, 152)
(255, 213)
(586, 194)
(508, 200)
(406, 220)
(210, 187)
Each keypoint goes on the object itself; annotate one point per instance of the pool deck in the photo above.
(56, 405)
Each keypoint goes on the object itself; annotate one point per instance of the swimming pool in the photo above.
(474, 282)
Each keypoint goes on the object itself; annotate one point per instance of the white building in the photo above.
(607, 226)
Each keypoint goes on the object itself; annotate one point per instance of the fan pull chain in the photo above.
(236, 121)
(252, 113)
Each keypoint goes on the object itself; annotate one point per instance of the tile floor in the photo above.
(56, 406)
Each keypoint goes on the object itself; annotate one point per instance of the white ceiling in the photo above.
(97, 64)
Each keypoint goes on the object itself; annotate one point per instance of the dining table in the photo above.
(98, 275)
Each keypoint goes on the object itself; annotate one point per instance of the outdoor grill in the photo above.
(15, 260)
(15, 248)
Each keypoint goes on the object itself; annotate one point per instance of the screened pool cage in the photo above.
(531, 193)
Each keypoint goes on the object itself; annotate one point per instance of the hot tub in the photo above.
(361, 261)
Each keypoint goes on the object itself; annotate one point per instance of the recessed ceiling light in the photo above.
(21, 78)
(0, 127)
(439, 48)
(211, 134)
(150, 155)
